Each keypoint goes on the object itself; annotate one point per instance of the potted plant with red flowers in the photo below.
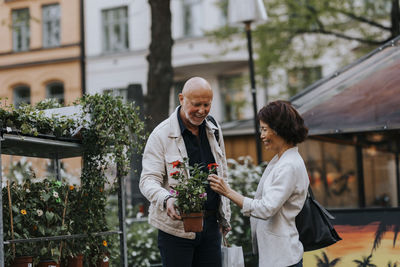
(190, 193)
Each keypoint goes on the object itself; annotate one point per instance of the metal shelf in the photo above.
(14, 144)
(51, 147)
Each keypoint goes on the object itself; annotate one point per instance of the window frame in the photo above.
(50, 85)
(20, 29)
(189, 26)
(109, 45)
(48, 39)
(20, 99)
(236, 112)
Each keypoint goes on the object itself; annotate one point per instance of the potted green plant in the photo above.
(17, 224)
(51, 200)
(190, 192)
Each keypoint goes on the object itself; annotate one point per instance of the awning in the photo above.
(364, 96)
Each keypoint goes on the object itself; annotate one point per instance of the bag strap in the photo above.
(213, 121)
(310, 193)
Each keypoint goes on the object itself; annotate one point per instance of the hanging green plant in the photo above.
(110, 130)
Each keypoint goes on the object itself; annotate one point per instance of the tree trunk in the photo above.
(395, 17)
(160, 74)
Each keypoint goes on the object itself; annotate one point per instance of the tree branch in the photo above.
(362, 19)
(343, 36)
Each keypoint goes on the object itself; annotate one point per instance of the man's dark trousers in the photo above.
(204, 250)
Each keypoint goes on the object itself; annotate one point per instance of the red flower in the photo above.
(176, 163)
(174, 173)
(212, 166)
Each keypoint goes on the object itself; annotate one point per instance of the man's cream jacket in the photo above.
(164, 146)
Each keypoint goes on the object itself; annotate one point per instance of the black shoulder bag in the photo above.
(314, 226)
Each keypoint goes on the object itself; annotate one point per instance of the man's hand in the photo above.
(171, 210)
(225, 230)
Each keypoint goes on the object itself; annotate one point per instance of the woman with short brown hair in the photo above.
(281, 191)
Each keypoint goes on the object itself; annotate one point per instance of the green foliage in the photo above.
(31, 120)
(48, 103)
(20, 171)
(142, 245)
(190, 190)
(141, 237)
(38, 210)
(112, 129)
(299, 32)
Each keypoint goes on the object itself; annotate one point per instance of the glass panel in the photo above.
(51, 25)
(192, 17)
(20, 27)
(332, 172)
(379, 178)
(233, 97)
(55, 90)
(115, 29)
(22, 94)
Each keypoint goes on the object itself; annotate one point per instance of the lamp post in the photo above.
(247, 12)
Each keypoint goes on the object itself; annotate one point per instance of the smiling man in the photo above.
(188, 133)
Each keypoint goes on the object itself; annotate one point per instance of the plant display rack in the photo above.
(50, 147)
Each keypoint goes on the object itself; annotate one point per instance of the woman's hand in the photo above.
(218, 185)
(221, 187)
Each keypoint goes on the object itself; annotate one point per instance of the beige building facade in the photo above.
(40, 57)
(40, 50)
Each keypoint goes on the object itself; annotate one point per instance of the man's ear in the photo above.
(180, 98)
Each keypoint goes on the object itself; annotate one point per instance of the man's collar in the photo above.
(182, 125)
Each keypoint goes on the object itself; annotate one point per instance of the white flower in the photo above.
(39, 212)
(27, 190)
(55, 194)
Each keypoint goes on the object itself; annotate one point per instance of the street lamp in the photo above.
(248, 11)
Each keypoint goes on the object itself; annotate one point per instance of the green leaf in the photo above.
(49, 216)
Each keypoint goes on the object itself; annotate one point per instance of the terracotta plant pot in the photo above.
(104, 262)
(101, 262)
(76, 261)
(48, 263)
(193, 222)
(24, 261)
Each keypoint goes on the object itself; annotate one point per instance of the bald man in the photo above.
(188, 133)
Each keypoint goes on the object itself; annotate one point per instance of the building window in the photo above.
(20, 29)
(300, 78)
(192, 18)
(118, 92)
(379, 177)
(22, 94)
(115, 29)
(233, 97)
(51, 25)
(55, 90)
(332, 171)
(223, 7)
